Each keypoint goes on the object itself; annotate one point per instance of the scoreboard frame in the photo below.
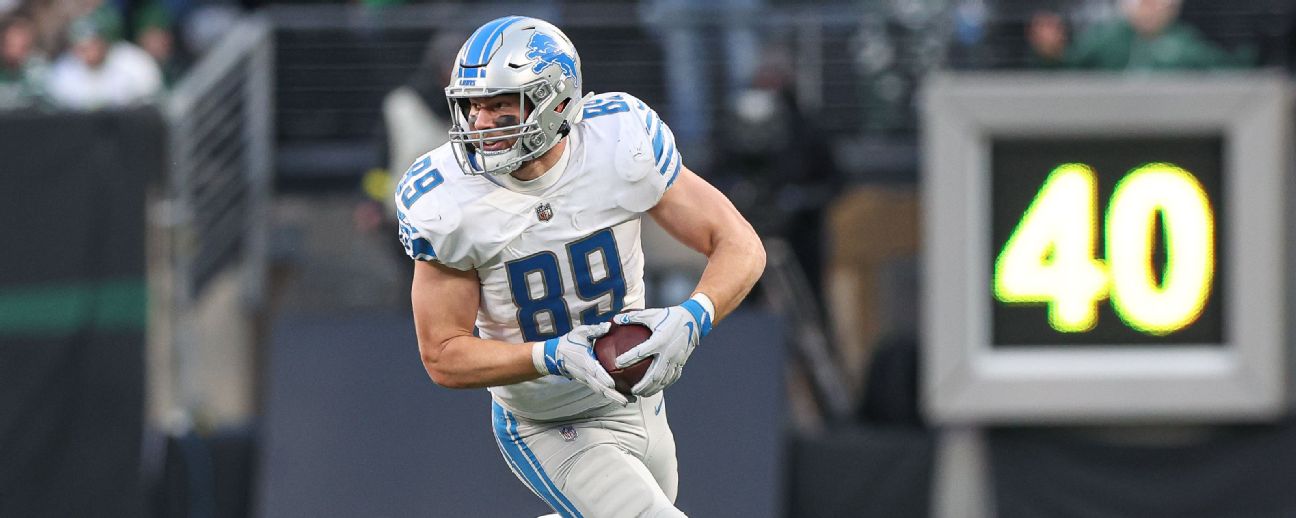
(967, 380)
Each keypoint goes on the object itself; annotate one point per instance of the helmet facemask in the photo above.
(530, 139)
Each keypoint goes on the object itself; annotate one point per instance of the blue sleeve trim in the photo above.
(666, 162)
(422, 250)
(417, 248)
(658, 141)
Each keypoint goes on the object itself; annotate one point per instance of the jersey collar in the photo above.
(546, 180)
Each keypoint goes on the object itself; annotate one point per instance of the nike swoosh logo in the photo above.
(558, 363)
(689, 325)
(659, 407)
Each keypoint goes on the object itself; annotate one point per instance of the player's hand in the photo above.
(676, 331)
(572, 356)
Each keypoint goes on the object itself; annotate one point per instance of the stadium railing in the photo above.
(214, 216)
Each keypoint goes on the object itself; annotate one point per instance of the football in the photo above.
(619, 339)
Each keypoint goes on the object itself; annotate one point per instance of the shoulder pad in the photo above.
(646, 156)
(429, 213)
(420, 196)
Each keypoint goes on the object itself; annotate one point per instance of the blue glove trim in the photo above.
(700, 316)
(551, 357)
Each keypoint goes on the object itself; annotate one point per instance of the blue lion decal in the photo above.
(544, 48)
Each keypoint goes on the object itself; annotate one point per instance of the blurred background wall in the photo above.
(204, 308)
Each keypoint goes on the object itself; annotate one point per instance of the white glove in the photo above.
(676, 331)
(572, 356)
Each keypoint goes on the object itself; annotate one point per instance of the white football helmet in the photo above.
(526, 56)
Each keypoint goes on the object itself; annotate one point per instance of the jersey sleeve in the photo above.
(428, 217)
(647, 157)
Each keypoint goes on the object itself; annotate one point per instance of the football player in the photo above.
(525, 227)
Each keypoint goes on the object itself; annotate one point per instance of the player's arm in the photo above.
(445, 302)
(698, 215)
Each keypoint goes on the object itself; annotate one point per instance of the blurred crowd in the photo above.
(95, 54)
(767, 148)
(1147, 35)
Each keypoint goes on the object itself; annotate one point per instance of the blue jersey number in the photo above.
(601, 107)
(420, 179)
(584, 254)
(550, 300)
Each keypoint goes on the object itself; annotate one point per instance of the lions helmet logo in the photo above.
(544, 49)
(544, 212)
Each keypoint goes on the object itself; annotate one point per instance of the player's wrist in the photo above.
(703, 300)
(702, 310)
(544, 357)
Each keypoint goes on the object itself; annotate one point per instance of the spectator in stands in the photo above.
(713, 46)
(22, 68)
(205, 24)
(53, 17)
(154, 33)
(1147, 37)
(777, 167)
(98, 72)
(416, 118)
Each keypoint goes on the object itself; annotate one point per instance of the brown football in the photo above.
(619, 339)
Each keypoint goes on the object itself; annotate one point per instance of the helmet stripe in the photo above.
(485, 39)
(494, 39)
(478, 40)
(475, 42)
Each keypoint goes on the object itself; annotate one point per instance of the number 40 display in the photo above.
(1049, 256)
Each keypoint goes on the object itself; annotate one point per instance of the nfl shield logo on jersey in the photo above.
(544, 212)
(568, 432)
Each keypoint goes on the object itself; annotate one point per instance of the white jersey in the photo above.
(554, 252)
